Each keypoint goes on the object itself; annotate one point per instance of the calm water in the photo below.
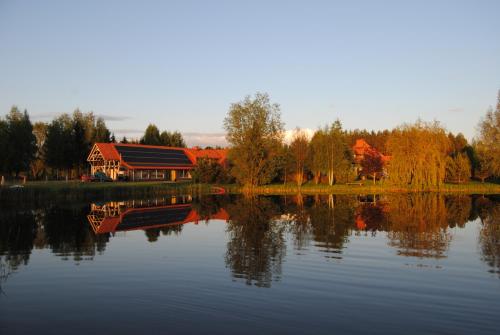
(228, 265)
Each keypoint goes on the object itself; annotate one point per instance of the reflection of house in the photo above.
(148, 162)
(133, 215)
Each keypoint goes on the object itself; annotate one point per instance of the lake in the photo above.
(378, 264)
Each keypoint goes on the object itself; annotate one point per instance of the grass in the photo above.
(369, 188)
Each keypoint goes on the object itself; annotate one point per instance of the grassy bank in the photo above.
(74, 190)
(370, 188)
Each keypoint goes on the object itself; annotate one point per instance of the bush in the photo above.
(209, 172)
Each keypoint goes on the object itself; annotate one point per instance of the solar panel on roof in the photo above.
(145, 156)
(139, 219)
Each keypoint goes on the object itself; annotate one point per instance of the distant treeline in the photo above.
(59, 149)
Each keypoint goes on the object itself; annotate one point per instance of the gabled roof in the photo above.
(153, 217)
(140, 156)
(220, 155)
(361, 147)
(108, 151)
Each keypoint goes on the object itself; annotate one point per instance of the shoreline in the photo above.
(76, 190)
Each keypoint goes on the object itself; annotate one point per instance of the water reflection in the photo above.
(163, 215)
(257, 229)
(256, 246)
(489, 237)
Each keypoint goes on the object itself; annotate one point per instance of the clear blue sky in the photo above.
(372, 64)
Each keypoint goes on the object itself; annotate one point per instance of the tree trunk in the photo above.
(374, 178)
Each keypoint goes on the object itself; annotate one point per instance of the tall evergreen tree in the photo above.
(101, 132)
(21, 143)
(151, 136)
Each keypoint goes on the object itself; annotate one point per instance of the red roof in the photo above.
(361, 147)
(112, 223)
(217, 154)
(108, 151)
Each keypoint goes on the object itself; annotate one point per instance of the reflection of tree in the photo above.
(208, 205)
(331, 221)
(297, 220)
(154, 233)
(68, 236)
(17, 231)
(371, 216)
(458, 209)
(489, 237)
(256, 246)
(418, 225)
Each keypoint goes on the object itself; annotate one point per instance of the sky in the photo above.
(181, 64)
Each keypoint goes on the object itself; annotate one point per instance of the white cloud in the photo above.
(291, 132)
(205, 139)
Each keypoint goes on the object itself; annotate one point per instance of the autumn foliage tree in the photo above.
(317, 157)
(488, 144)
(419, 152)
(337, 153)
(299, 149)
(372, 164)
(458, 168)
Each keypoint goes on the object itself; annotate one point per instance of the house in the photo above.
(138, 162)
(362, 148)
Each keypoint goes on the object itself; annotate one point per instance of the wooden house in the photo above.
(138, 162)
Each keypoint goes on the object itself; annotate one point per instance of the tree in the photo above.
(419, 153)
(37, 166)
(284, 163)
(458, 143)
(151, 136)
(101, 132)
(372, 164)
(80, 147)
(172, 139)
(255, 133)
(338, 154)
(3, 144)
(124, 140)
(21, 143)
(300, 150)
(483, 162)
(58, 146)
(209, 171)
(458, 168)
(489, 139)
(317, 155)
